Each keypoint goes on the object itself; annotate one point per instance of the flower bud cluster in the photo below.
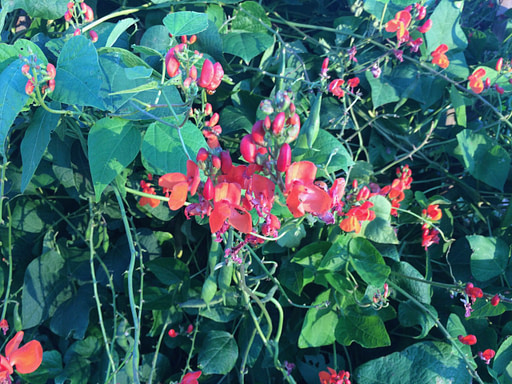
(79, 13)
(38, 75)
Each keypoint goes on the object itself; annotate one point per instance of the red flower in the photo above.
(227, 207)
(331, 377)
(147, 188)
(353, 82)
(473, 292)
(4, 326)
(211, 76)
(303, 195)
(357, 214)
(475, 80)
(191, 378)
(26, 359)
(335, 88)
(178, 185)
(439, 57)
(433, 212)
(468, 340)
(487, 355)
(172, 333)
(426, 26)
(399, 25)
(499, 64)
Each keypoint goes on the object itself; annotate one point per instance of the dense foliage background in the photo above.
(375, 240)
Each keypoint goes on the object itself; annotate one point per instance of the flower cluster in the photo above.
(38, 74)
(430, 235)
(486, 355)
(331, 377)
(79, 13)
(402, 23)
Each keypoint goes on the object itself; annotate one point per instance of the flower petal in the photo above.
(28, 358)
(13, 344)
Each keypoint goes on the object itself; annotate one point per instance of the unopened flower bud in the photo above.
(284, 159)
(258, 133)
(50, 69)
(172, 333)
(266, 107)
(93, 35)
(216, 162)
(278, 123)
(190, 327)
(426, 26)
(68, 16)
(208, 109)
(499, 64)
(202, 155)
(226, 161)
(77, 32)
(192, 73)
(248, 149)
(208, 190)
(29, 87)
(25, 68)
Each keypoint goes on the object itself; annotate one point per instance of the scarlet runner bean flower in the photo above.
(399, 25)
(227, 208)
(487, 355)
(211, 76)
(177, 185)
(426, 26)
(191, 378)
(475, 80)
(473, 292)
(331, 377)
(335, 88)
(439, 57)
(26, 359)
(147, 188)
(468, 340)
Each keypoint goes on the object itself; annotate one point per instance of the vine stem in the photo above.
(9, 253)
(111, 363)
(157, 348)
(131, 296)
(2, 186)
(441, 328)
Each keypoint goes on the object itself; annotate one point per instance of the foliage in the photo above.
(256, 191)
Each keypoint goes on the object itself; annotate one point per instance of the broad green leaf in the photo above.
(26, 47)
(489, 258)
(292, 234)
(409, 315)
(380, 231)
(383, 92)
(250, 17)
(319, 324)
(502, 364)
(113, 143)
(71, 318)
(218, 353)
(367, 331)
(455, 328)
(156, 38)
(78, 79)
(484, 309)
(246, 45)
(32, 216)
(327, 151)
(121, 26)
(485, 161)
(420, 291)
(138, 72)
(8, 54)
(337, 256)
(167, 270)
(185, 23)
(459, 105)
(45, 287)
(35, 141)
(12, 99)
(426, 362)
(311, 255)
(162, 148)
(368, 262)
(295, 277)
(45, 9)
(446, 27)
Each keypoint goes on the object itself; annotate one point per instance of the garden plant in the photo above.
(300, 191)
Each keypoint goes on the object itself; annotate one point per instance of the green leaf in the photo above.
(113, 143)
(319, 324)
(489, 258)
(250, 17)
(12, 99)
(426, 362)
(311, 255)
(368, 262)
(45, 9)
(420, 291)
(367, 331)
(218, 353)
(162, 148)
(292, 234)
(185, 23)
(246, 45)
(455, 328)
(78, 79)
(410, 315)
(337, 256)
(485, 161)
(380, 231)
(167, 270)
(35, 141)
(502, 364)
(328, 151)
(32, 216)
(45, 287)
(71, 318)
(26, 47)
(446, 27)
(121, 26)
(459, 105)
(383, 91)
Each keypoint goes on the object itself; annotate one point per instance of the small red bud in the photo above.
(71, 4)
(68, 16)
(216, 162)
(422, 12)
(77, 32)
(499, 64)
(227, 163)
(248, 149)
(499, 89)
(192, 39)
(354, 184)
(278, 123)
(25, 68)
(267, 123)
(192, 73)
(50, 68)
(495, 300)
(184, 39)
(363, 194)
(89, 14)
(190, 328)
(214, 120)
(93, 35)
(208, 109)
(173, 66)
(51, 85)
(284, 159)
(206, 74)
(202, 155)
(487, 83)
(258, 133)
(172, 333)
(208, 190)
(29, 87)
(292, 108)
